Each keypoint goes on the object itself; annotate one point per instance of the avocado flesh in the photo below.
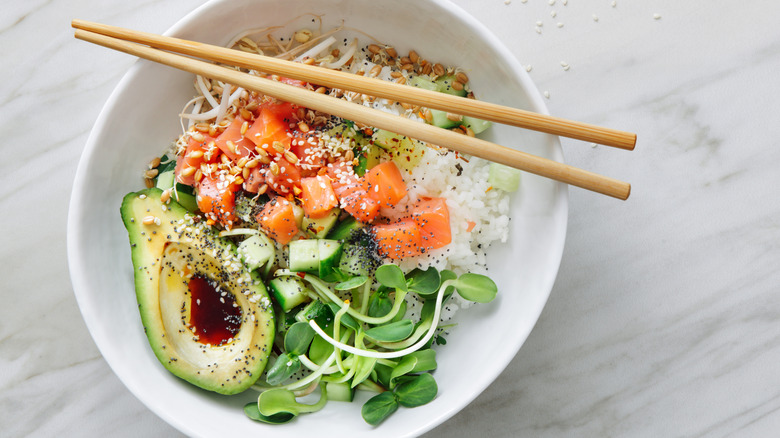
(166, 254)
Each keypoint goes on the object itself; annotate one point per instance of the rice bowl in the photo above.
(533, 249)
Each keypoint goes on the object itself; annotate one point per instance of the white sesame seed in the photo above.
(560, 24)
(539, 23)
(656, 16)
(595, 18)
(547, 94)
(553, 14)
(551, 2)
(539, 30)
(613, 4)
(529, 67)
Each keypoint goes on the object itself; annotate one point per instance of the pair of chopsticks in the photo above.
(136, 42)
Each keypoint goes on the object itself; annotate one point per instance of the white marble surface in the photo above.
(665, 318)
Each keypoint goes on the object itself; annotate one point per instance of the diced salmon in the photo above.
(277, 219)
(269, 128)
(232, 142)
(317, 196)
(385, 184)
(398, 240)
(217, 200)
(433, 217)
(255, 180)
(195, 155)
(286, 179)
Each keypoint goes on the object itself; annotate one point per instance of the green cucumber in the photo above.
(344, 229)
(330, 254)
(256, 251)
(420, 82)
(315, 310)
(387, 140)
(315, 256)
(304, 256)
(440, 119)
(289, 292)
(340, 391)
(503, 177)
(183, 193)
(165, 180)
(477, 126)
(444, 85)
(320, 228)
(356, 259)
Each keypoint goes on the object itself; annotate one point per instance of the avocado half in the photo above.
(170, 247)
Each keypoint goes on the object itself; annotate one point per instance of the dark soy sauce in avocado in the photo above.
(214, 317)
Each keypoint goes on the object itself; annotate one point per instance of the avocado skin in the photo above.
(165, 254)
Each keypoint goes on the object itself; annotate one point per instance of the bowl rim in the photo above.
(78, 272)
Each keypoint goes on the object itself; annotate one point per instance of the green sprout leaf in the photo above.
(298, 338)
(425, 283)
(401, 312)
(320, 350)
(379, 304)
(284, 367)
(352, 283)
(346, 320)
(417, 391)
(253, 413)
(364, 367)
(279, 400)
(379, 407)
(476, 287)
(417, 362)
(391, 276)
(392, 332)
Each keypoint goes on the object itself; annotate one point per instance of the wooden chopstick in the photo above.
(374, 87)
(359, 113)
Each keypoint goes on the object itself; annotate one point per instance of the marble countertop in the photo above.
(664, 317)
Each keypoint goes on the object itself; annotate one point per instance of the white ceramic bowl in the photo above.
(139, 120)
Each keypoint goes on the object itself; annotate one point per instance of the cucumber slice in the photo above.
(353, 261)
(330, 254)
(373, 156)
(387, 140)
(186, 200)
(344, 229)
(182, 195)
(256, 251)
(476, 125)
(503, 177)
(315, 310)
(298, 213)
(304, 256)
(444, 85)
(440, 119)
(420, 82)
(320, 228)
(289, 292)
(165, 180)
(339, 391)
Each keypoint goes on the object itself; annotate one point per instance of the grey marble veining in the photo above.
(664, 317)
